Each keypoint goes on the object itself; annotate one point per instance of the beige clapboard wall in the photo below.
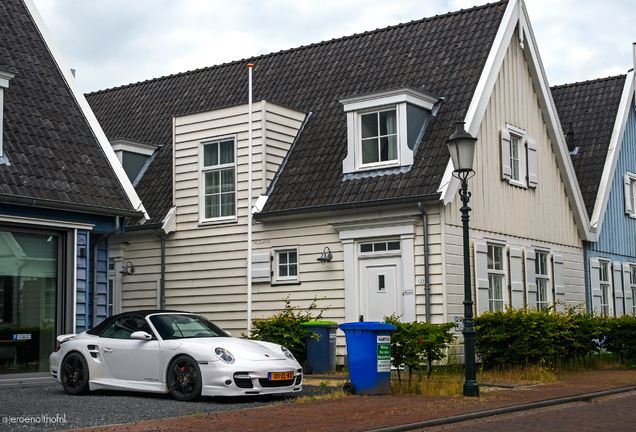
(540, 217)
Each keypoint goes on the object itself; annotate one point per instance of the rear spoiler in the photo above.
(66, 337)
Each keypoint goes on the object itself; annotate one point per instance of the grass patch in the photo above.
(333, 394)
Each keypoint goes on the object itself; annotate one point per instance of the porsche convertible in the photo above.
(177, 352)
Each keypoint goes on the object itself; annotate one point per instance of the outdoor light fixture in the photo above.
(128, 269)
(326, 255)
(461, 146)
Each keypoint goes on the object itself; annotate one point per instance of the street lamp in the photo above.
(461, 146)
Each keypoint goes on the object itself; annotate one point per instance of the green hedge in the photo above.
(521, 337)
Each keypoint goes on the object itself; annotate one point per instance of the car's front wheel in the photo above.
(75, 374)
(184, 379)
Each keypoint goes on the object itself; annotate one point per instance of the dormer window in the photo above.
(384, 128)
(133, 156)
(379, 137)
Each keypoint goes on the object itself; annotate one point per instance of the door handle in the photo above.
(108, 350)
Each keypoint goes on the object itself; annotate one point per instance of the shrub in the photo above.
(416, 342)
(284, 328)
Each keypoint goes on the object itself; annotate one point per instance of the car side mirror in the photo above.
(140, 335)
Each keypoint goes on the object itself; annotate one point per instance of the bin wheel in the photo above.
(307, 369)
(349, 389)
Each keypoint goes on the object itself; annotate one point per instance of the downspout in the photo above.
(101, 239)
(427, 285)
(586, 269)
(249, 200)
(162, 284)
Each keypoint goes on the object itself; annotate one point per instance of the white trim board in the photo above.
(86, 110)
(516, 13)
(613, 152)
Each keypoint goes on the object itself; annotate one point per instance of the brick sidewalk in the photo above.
(359, 413)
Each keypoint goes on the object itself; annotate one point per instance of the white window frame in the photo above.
(356, 106)
(286, 279)
(545, 278)
(632, 285)
(629, 180)
(510, 135)
(203, 170)
(493, 272)
(399, 133)
(605, 286)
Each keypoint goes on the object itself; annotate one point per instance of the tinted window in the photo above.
(185, 326)
(123, 327)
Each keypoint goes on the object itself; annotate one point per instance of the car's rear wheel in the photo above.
(184, 379)
(75, 374)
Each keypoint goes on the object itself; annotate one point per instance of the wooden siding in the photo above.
(543, 213)
(618, 232)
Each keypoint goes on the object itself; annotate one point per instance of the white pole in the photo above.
(249, 203)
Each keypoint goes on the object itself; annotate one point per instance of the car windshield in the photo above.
(185, 326)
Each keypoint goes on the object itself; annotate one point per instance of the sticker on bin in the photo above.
(384, 353)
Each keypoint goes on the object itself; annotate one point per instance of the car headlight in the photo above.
(224, 355)
(288, 353)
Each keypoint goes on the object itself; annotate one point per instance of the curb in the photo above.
(505, 410)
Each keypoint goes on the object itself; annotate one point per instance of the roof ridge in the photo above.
(343, 38)
(578, 83)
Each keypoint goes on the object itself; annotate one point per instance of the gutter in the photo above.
(427, 285)
(347, 206)
(162, 284)
(62, 205)
(101, 239)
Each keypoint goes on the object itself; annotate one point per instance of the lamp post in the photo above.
(462, 149)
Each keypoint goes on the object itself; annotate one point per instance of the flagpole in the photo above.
(249, 202)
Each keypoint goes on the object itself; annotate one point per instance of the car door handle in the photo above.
(108, 350)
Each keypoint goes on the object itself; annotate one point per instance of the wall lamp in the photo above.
(326, 255)
(128, 269)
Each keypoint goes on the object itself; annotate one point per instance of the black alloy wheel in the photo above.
(184, 379)
(75, 374)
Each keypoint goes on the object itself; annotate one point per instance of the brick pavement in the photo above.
(360, 413)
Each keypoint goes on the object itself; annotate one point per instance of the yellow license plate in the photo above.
(280, 376)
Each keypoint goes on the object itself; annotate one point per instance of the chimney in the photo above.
(569, 138)
(73, 72)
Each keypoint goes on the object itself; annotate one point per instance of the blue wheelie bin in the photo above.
(369, 352)
(321, 352)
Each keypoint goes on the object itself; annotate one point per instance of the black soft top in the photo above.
(99, 328)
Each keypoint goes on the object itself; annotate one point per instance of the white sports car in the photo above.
(177, 352)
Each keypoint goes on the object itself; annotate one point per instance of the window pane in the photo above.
(212, 183)
(227, 204)
(292, 258)
(369, 125)
(211, 154)
(212, 206)
(515, 148)
(495, 292)
(227, 180)
(370, 151)
(633, 269)
(227, 152)
(515, 170)
(497, 258)
(368, 247)
(282, 258)
(392, 147)
(394, 245)
(491, 253)
(379, 246)
(388, 123)
(384, 149)
(282, 270)
(293, 269)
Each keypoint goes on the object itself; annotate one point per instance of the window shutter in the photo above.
(595, 282)
(618, 288)
(533, 178)
(506, 172)
(261, 271)
(531, 279)
(516, 277)
(559, 283)
(628, 202)
(481, 275)
(627, 288)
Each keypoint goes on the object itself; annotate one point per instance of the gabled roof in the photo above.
(598, 110)
(55, 158)
(591, 107)
(443, 56)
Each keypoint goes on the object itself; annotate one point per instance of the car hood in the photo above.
(241, 348)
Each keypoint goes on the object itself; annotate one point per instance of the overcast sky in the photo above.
(117, 42)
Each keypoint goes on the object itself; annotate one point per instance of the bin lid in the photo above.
(368, 325)
(319, 323)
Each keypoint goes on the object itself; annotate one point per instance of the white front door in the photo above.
(380, 293)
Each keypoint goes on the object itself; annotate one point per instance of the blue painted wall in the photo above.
(81, 313)
(85, 274)
(617, 239)
(618, 233)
